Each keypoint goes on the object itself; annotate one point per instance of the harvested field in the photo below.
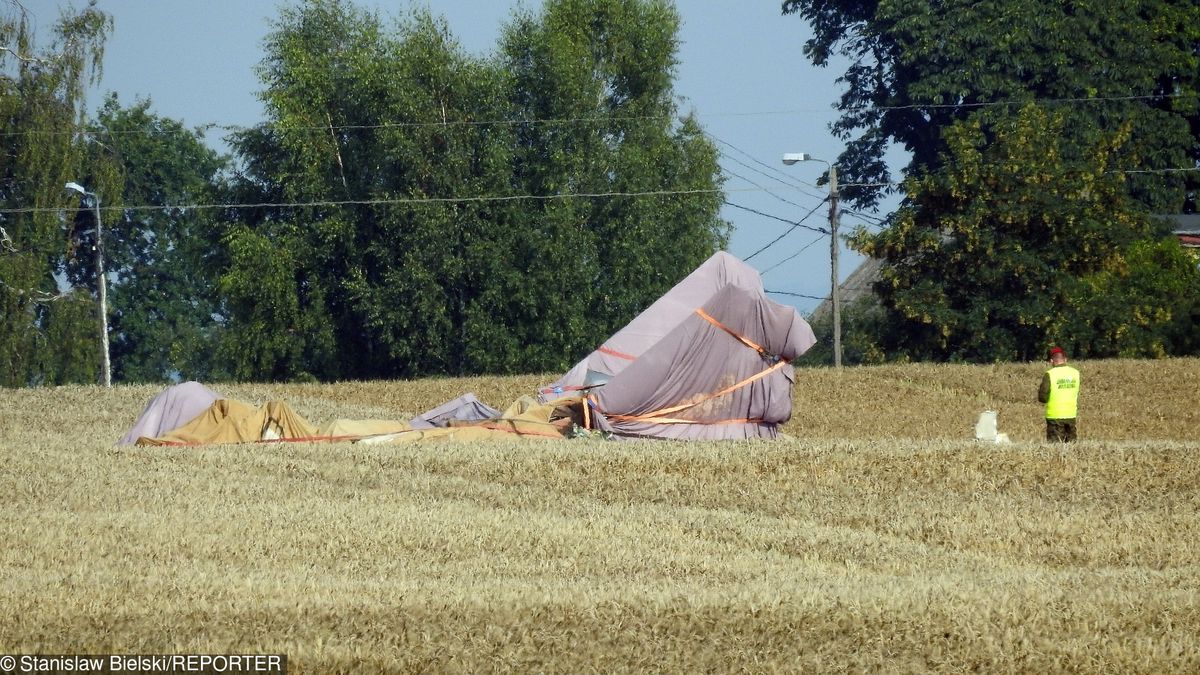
(877, 537)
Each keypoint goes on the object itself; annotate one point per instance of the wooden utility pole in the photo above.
(835, 290)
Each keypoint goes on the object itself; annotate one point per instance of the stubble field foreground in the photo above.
(879, 536)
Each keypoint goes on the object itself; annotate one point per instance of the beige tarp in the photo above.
(172, 408)
(525, 418)
(230, 421)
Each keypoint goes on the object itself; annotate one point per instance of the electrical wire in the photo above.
(797, 295)
(790, 186)
(763, 188)
(773, 217)
(373, 202)
(799, 223)
(325, 128)
(802, 250)
(778, 175)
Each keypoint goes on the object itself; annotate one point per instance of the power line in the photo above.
(1039, 101)
(325, 128)
(1171, 170)
(798, 295)
(799, 223)
(763, 188)
(802, 250)
(761, 173)
(373, 202)
(773, 217)
(816, 297)
(506, 198)
(877, 219)
(776, 173)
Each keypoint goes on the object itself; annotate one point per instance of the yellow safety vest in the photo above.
(1063, 402)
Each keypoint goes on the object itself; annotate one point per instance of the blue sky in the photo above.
(741, 70)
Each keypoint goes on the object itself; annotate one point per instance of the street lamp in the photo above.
(835, 292)
(101, 284)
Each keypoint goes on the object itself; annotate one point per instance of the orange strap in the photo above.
(740, 338)
(661, 414)
(707, 397)
(613, 352)
(676, 420)
(296, 439)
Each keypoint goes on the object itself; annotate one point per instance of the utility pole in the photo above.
(835, 295)
(101, 285)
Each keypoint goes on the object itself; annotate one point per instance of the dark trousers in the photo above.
(1060, 431)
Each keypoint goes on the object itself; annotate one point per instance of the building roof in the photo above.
(1185, 226)
(1184, 223)
(857, 285)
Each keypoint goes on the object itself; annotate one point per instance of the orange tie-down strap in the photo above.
(737, 336)
(678, 420)
(661, 414)
(297, 439)
(575, 387)
(612, 352)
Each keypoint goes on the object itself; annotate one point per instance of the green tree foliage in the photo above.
(41, 98)
(917, 67)
(275, 334)
(416, 247)
(1042, 135)
(1146, 307)
(1021, 239)
(359, 114)
(162, 293)
(863, 322)
(594, 77)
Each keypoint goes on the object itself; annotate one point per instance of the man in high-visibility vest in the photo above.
(1060, 393)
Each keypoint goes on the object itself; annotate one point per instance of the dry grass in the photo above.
(876, 539)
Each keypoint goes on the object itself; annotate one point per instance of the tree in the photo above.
(1146, 307)
(863, 322)
(1042, 136)
(163, 299)
(917, 67)
(41, 107)
(594, 77)
(1021, 239)
(440, 230)
(358, 115)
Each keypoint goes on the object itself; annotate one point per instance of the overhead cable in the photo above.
(776, 173)
(799, 223)
(325, 128)
(797, 295)
(802, 250)
(765, 189)
(372, 202)
(774, 217)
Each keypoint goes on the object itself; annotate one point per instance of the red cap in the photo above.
(1056, 350)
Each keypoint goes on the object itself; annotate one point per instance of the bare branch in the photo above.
(26, 59)
(36, 296)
